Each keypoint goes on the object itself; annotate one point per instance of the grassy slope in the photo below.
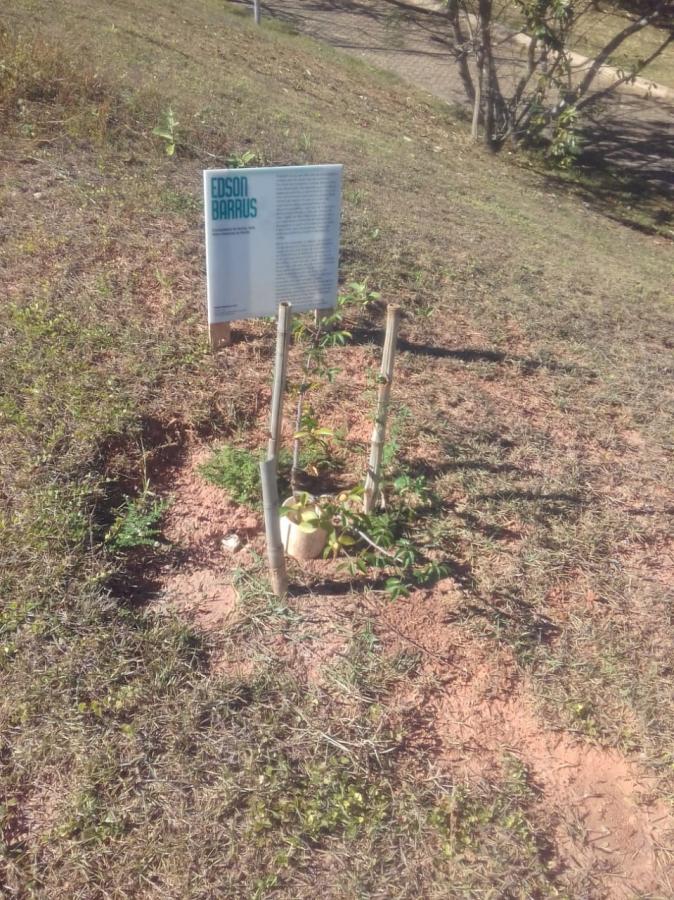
(126, 766)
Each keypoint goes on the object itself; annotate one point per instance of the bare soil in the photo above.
(198, 579)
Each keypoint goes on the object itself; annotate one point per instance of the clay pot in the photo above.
(297, 543)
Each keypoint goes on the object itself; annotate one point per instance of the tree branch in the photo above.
(613, 44)
(625, 78)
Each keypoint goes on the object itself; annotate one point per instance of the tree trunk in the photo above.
(477, 100)
(489, 68)
(460, 50)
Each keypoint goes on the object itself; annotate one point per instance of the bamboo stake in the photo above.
(319, 315)
(256, 11)
(295, 466)
(373, 477)
(299, 411)
(283, 333)
(272, 527)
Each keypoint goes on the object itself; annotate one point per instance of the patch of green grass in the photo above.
(179, 202)
(237, 471)
(322, 799)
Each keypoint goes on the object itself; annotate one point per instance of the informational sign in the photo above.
(271, 235)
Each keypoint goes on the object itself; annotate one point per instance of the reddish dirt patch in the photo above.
(200, 518)
(597, 798)
(469, 707)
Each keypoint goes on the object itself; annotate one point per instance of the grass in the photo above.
(237, 471)
(532, 392)
(597, 27)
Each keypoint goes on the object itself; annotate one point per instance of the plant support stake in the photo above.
(256, 11)
(280, 369)
(272, 527)
(373, 477)
(305, 384)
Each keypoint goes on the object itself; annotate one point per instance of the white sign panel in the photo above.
(271, 235)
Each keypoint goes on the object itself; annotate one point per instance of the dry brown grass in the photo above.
(533, 392)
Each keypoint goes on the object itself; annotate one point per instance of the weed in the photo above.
(136, 523)
(322, 799)
(167, 130)
(242, 160)
(500, 817)
(358, 295)
(237, 471)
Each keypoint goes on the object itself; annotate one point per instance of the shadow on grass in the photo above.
(459, 571)
(634, 137)
(432, 470)
(474, 354)
(508, 617)
(548, 508)
(138, 579)
(625, 170)
(561, 498)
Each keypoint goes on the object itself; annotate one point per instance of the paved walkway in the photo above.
(412, 42)
(415, 43)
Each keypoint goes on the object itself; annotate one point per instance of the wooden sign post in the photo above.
(219, 335)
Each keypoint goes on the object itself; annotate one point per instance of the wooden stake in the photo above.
(373, 477)
(272, 527)
(283, 333)
(319, 316)
(220, 334)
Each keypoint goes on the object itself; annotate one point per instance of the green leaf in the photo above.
(307, 527)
